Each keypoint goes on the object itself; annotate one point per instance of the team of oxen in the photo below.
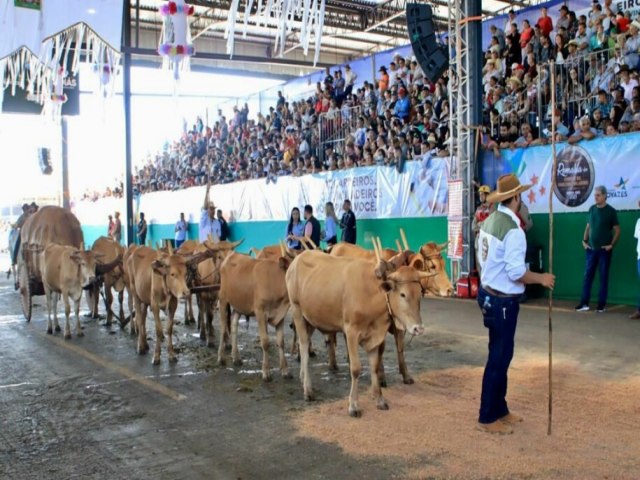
(360, 293)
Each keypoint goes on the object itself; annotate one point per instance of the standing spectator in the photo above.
(636, 315)
(110, 227)
(117, 228)
(330, 234)
(383, 82)
(295, 230)
(504, 274)
(511, 19)
(340, 83)
(142, 230)
(545, 22)
(600, 236)
(402, 106)
(348, 223)
(181, 231)
(224, 227)
(311, 226)
(498, 34)
(209, 224)
(483, 210)
(350, 78)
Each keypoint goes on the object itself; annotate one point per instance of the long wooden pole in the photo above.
(551, 189)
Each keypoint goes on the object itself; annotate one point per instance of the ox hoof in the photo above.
(50, 331)
(155, 361)
(237, 362)
(58, 328)
(80, 333)
(355, 412)
(67, 336)
(227, 347)
(309, 397)
(382, 405)
(408, 381)
(383, 382)
(173, 359)
(267, 378)
(210, 344)
(142, 349)
(221, 362)
(312, 353)
(160, 338)
(333, 368)
(287, 376)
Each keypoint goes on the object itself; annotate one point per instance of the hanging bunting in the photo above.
(284, 15)
(175, 45)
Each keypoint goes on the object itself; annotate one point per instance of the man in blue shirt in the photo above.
(209, 224)
(402, 106)
(181, 231)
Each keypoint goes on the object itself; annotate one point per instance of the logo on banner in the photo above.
(619, 189)
(575, 176)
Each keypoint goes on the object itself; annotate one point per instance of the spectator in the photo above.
(224, 227)
(295, 230)
(142, 230)
(117, 228)
(350, 78)
(330, 233)
(636, 315)
(110, 227)
(348, 223)
(181, 231)
(600, 237)
(585, 132)
(545, 22)
(311, 226)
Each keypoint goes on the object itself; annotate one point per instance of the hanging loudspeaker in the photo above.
(432, 56)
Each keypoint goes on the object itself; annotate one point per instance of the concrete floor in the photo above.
(91, 408)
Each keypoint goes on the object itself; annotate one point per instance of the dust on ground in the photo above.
(596, 426)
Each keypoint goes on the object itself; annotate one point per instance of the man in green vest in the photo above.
(502, 246)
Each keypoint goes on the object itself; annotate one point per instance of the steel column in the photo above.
(126, 95)
(65, 163)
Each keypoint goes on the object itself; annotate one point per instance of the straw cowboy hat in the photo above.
(508, 186)
(635, 24)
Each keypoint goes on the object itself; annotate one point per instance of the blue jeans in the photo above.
(639, 277)
(596, 259)
(500, 317)
(178, 243)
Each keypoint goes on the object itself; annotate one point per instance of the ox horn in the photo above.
(282, 249)
(398, 246)
(375, 249)
(404, 239)
(255, 251)
(82, 246)
(102, 268)
(443, 246)
(236, 244)
(302, 242)
(169, 247)
(427, 274)
(313, 244)
(196, 258)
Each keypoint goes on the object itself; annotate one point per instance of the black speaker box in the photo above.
(432, 57)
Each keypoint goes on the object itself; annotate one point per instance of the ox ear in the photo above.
(284, 262)
(383, 268)
(388, 286)
(417, 263)
(159, 267)
(76, 256)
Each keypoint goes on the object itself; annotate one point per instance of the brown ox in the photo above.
(188, 247)
(346, 295)
(158, 281)
(439, 283)
(273, 252)
(207, 277)
(66, 271)
(254, 287)
(115, 279)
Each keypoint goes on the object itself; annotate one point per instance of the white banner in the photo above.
(375, 192)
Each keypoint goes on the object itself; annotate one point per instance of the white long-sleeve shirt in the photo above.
(208, 226)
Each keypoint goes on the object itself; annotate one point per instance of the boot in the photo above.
(501, 428)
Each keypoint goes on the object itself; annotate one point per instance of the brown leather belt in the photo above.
(499, 294)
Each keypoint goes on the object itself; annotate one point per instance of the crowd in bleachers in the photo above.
(401, 115)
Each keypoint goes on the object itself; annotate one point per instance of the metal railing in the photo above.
(335, 127)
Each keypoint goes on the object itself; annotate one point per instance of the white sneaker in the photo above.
(582, 308)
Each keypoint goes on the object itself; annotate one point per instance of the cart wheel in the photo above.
(25, 291)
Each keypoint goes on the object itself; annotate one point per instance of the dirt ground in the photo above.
(92, 408)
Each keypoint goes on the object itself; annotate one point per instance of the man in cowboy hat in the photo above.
(501, 257)
(209, 224)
